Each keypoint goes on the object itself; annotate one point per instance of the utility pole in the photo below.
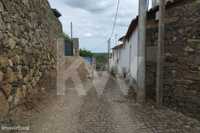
(71, 27)
(160, 56)
(141, 93)
(109, 41)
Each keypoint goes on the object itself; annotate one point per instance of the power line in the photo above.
(115, 19)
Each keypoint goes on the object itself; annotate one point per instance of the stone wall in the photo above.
(152, 36)
(182, 64)
(28, 37)
(182, 57)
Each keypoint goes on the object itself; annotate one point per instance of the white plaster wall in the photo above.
(134, 54)
(128, 56)
(113, 60)
(124, 59)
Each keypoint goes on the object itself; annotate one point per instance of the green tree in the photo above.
(67, 38)
(86, 53)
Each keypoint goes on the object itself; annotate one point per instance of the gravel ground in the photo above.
(110, 112)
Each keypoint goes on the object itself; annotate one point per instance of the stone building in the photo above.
(181, 55)
(29, 34)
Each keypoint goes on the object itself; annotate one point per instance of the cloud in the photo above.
(93, 20)
(90, 5)
(88, 34)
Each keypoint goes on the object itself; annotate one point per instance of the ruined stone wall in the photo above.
(28, 35)
(182, 57)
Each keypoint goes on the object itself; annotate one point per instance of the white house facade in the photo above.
(116, 60)
(133, 42)
(124, 60)
(125, 55)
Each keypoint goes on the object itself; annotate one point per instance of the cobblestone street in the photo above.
(105, 66)
(109, 113)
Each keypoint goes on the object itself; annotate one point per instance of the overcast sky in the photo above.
(93, 20)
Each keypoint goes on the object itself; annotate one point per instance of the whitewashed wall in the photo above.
(127, 57)
(124, 59)
(134, 54)
(113, 60)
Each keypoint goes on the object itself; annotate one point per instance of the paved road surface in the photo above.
(109, 113)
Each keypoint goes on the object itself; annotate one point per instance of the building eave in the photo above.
(56, 13)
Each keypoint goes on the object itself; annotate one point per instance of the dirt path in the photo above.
(109, 113)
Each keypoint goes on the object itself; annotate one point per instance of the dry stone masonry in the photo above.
(28, 34)
(182, 57)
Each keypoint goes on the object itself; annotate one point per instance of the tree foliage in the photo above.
(67, 38)
(86, 53)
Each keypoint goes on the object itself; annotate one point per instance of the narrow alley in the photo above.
(112, 112)
(106, 66)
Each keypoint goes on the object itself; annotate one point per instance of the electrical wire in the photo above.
(116, 15)
(115, 19)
